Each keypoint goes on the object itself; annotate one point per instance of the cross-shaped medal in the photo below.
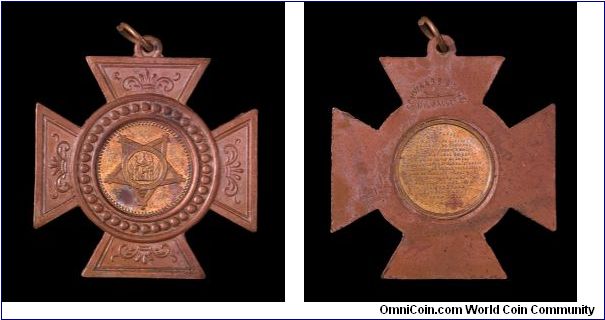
(144, 167)
(443, 168)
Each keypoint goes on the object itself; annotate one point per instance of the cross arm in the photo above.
(55, 148)
(417, 78)
(236, 195)
(532, 169)
(355, 190)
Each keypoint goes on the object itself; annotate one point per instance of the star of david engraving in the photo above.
(443, 168)
(145, 167)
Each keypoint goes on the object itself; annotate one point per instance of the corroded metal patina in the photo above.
(144, 167)
(443, 168)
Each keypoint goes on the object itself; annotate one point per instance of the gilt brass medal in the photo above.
(443, 168)
(144, 167)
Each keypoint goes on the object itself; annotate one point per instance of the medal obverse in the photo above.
(144, 167)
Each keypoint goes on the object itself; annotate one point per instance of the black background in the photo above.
(342, 44)
(44, 46)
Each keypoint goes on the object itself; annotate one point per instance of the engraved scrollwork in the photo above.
(233, 170)
(147, 81)
(144, 253)
(58, 167)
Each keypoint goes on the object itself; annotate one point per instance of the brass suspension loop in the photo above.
(430, 31)
(133, 36)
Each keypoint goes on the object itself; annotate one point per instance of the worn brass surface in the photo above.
(443, 168)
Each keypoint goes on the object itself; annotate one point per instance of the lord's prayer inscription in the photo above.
(444, 168)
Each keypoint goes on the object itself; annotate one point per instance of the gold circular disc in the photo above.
(144, 168)
(444, 168)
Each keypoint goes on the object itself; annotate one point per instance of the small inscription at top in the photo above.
(436, 92)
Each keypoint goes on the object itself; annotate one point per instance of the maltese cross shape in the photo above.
(145, 167)
(443, 168)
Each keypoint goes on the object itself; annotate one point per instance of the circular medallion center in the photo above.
(144, 168)
(444, 168)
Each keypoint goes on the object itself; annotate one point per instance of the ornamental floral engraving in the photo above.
(233, 170)
(58, 167)
(144, 253)
(147, 81)
(144, 167)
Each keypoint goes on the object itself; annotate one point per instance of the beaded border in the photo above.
(113, 220)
